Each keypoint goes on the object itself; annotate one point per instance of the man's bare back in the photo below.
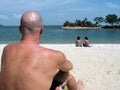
(28, 66)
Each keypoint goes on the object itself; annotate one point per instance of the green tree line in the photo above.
(110, 21)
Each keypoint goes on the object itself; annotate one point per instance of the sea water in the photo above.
(54, 34)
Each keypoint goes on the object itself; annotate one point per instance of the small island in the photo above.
(112, 21)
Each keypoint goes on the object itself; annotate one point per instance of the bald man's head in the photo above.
(31, 21)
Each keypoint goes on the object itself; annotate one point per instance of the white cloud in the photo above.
(54, 3)
(23, 5)
(17, 16)
(113, 5)
(86, 9)
(3, 17)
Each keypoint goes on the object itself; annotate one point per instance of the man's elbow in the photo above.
(69, 66)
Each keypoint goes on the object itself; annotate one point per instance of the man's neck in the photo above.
(30, 40)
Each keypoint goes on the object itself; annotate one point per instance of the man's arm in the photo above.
(65, 65)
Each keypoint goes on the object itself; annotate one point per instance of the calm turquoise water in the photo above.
(54, 34)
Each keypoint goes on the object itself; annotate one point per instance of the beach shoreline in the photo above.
(80, 28)
(98, 66)
(87, 28)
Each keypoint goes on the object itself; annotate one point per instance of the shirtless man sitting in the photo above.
(28, 66)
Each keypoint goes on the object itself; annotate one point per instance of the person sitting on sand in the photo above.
(61, 82)
(78, 42)
(28, 66)
(86, 42)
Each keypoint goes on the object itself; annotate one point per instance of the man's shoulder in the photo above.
(54, 52)
(8, 46)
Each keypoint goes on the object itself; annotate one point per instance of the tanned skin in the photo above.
(28, 66)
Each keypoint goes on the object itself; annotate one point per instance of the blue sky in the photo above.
(56, 12)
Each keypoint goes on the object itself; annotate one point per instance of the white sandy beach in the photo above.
(97, 66)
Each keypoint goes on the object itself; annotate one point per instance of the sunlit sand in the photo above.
(98, 67)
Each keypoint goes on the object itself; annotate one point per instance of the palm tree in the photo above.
(98, 20)
(111, 19)
(67, 23)
(77, 22)
(84, 21)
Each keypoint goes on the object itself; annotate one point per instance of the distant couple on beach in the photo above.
(26, 65)
(79, 43)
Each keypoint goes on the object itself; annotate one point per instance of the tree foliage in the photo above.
(111, 19)
(67, 23)
(98, 20)
(83, 23)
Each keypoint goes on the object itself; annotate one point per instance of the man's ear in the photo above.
(20, 29)
(41, 29)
